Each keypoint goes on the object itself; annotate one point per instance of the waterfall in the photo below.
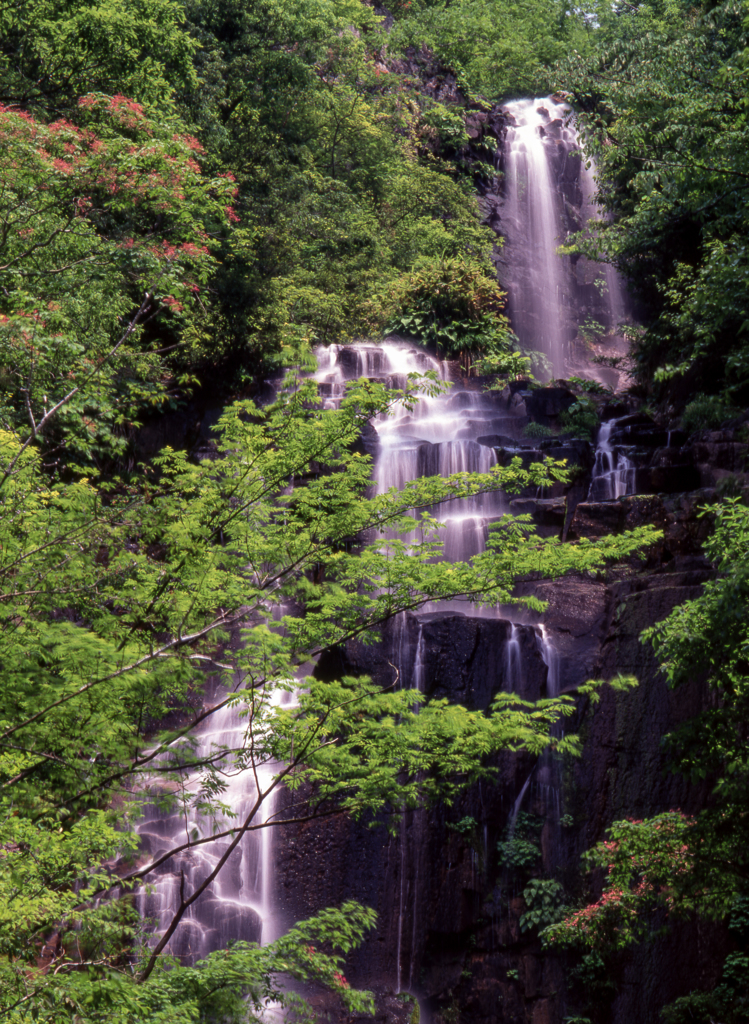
(512, 660)
(613, 472)
(550, 657)
(535, 276)
(440, 435)
(412, 831)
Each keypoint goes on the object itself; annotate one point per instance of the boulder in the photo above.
(671, 479)
(613, 410)
(641, 435)
(576, 452)
(596, 519)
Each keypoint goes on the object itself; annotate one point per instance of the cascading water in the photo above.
(512, 660)
(613, 472)
(439, 436)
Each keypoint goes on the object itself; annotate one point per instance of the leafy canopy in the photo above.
(115, 601)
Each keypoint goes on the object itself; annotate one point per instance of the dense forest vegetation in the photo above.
(192, 195)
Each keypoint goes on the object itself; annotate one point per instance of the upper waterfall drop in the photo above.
(535, 275)
(555, 302)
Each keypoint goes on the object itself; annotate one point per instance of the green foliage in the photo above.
(336, 195)
(498, 48)
(534, 430)
(706, 412)
(507, 366)
(519, 850)
(581, 418)
(645, 862)
(727, 1001)
(51, 53)
(84, 269)
(465, 827)
(541, 365)
(113, 601)
(544, 903)
(233, 985)
(672, 182)
(456, 306)
(340, 194)
(591, 387)
(449, 125)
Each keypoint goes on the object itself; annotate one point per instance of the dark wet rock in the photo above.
(717, 454)
(526, 455)
(640, 435)
(497, 441)
(546, 512)
(465, 657)
(677, 438)
(576, 451)
(594, 519)
(678, 516)
(545, 405)
(510, 425)
(519, 385)
(368, 442)
(348, 361)
(322, 863)
(467, 931)
(613, 410)
(668, 479)
(622, 773)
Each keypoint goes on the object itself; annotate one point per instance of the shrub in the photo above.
(581, 418)
(520, 848)
(509, 365)
(706, 412)
(593, 387)
(534, 429)
(544, 901)
(454, 305)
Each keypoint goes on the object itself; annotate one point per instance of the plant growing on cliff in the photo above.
(581, 418)
(544, 904)
(519, 849)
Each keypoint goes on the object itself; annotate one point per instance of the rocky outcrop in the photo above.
(449, 911)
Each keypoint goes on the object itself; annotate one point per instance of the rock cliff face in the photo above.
(448, 907)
